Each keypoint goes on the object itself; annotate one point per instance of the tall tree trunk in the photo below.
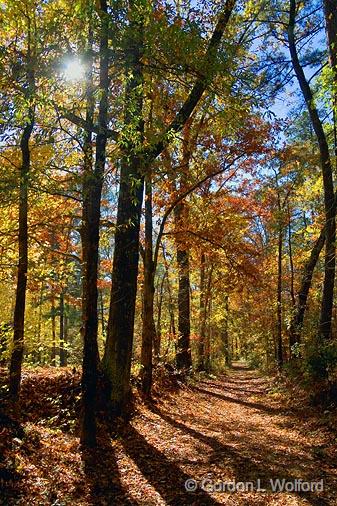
(183, 357)
(291, 261)
(63, 351)
(118, 349)
(181, 216)
(20, 301)
(21, 286)
(65, 332)
(326, 166)
(302, 296)
(157, 343)
(102, 312)
(148, 330)
(225, 336)
(53, 331)
(208, 336)
(39, 323)
(279, 292)
(202, 316)
(208, 313)
(92, 189)
(297, 321)
(330, 12)
(173, 331)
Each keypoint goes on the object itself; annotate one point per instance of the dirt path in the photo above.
(222, 431)
(232, 430)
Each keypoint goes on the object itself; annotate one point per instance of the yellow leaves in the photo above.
(252, 8)
(41, 155)
(312, 187)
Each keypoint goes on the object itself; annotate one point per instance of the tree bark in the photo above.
(157, 343)
(65, 332)
(181, 217)
(326, 166)
(202, 316)
(291, 261)
(208, 313)
(302, 296)
(148, 330)
(63, 351)
(39, 322)
(208, 339)
(21, 286)
(20, 300)
(102, 312)
(225, 336)
(92, 189)
(170, 299)
(53, 331)
(330, 12)
(279, 289)
(183, 356)
(118, 349)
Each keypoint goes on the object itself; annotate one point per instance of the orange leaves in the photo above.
(103, 283)
(254, 136)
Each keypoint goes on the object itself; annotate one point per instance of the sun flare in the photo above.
(74, 70)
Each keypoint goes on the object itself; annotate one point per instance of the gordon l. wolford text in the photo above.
(273, 484)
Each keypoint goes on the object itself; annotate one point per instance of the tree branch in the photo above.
(184, 195)
(199, 87)
(82, 123)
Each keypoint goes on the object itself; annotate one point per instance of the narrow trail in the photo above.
(229, 430)
(236, 430)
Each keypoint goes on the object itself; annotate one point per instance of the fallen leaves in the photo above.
(220, 429)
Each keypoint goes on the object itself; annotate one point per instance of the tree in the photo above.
(148, 328)
(92, 189)
(135, 162)
(28, 68)
(331, 29)
(326, 166)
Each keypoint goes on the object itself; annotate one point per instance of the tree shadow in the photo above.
(236, 389)
(246, 469)
(239, 366)
(254, 405)
(245, 389)
(244, 379)
(164, 475)
(11, 430)
(102, 475)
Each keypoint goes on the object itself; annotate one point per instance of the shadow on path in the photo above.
(211, 429)
(253, 405)
(102, 474)
(246, 468)
(164, 475)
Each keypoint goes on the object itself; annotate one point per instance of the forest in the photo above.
(168, 317)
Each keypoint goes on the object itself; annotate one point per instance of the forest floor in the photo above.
(236, 429)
